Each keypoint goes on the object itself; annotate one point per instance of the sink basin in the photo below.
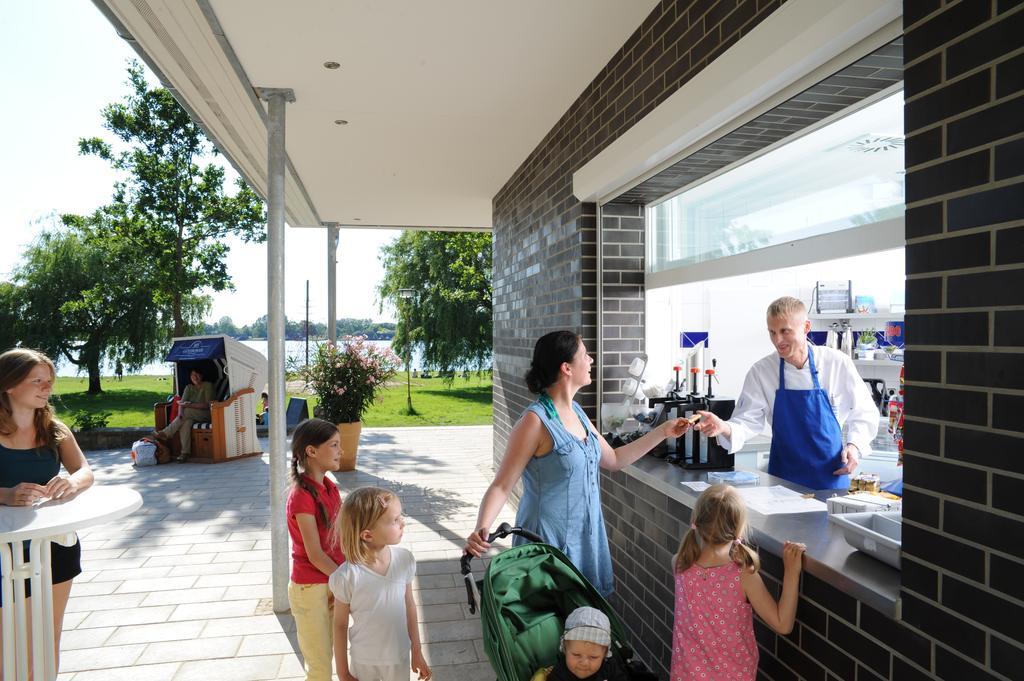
(877, 534)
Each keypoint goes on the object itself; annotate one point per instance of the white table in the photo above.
(52, 521)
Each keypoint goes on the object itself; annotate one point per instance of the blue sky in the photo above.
(61, 64)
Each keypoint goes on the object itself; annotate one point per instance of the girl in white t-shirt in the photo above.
(374, 585)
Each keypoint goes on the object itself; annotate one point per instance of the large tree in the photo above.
(85, 297)
(10, 315)
(172, 210)
(450, 315)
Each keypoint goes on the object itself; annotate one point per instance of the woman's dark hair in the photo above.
(310, 433)
(550, 352)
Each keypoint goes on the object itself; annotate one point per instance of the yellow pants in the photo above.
(313, 612)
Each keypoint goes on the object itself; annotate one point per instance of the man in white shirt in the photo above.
(803, 395)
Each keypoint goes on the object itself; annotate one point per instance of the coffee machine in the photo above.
(694, 450)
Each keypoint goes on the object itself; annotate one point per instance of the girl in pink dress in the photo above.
(717, 590)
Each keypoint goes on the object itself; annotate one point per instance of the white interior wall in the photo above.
(732, 310)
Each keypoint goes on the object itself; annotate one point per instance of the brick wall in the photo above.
(963, 536)
(962, 596)
(836, 638)
(622, 293)
(545, 240)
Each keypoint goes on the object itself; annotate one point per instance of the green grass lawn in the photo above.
(467, 402)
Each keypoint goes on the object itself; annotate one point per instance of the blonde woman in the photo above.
(374, 586)
(33, 446)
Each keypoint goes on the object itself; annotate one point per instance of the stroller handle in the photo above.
(503, 531)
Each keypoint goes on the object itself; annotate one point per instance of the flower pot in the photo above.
(349, 444)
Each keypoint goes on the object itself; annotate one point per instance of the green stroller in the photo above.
(525, 595)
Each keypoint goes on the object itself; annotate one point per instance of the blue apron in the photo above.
(807, 443)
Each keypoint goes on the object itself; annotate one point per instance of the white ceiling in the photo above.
(445, 99)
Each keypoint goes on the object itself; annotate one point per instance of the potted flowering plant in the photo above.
(346, 378)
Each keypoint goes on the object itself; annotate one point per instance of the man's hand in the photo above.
(712, 425)
(851, 459)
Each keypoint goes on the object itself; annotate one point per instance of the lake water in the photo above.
(293, 350)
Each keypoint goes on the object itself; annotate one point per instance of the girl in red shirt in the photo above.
(313, 504)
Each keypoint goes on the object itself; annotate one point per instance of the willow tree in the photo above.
(170, 206)
(449, 318)
(84, 298)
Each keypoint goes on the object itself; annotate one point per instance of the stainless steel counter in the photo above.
(828, 556)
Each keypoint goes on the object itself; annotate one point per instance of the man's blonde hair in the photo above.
(361, 510)
(786, 306)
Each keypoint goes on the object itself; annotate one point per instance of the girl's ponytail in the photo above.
(745, 556)
(689, 550)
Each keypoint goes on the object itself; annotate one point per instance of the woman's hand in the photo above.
(25, 494)
(420, 666)
(59, 487)
(345, 676)
(477, 543)
(677, 427)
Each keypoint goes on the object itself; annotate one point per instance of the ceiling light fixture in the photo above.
(332, 65)
(341, 121)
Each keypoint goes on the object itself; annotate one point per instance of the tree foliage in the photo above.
(450, 315)
(10, 315)
(84, 298)
(295, 329)
(170, 210)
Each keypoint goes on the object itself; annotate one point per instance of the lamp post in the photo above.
(407, 294)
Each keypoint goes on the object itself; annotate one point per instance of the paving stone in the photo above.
(232, 579)
(184, 596)
(150, 633)
(150, 585)
(102, 657)
(148, 672)
(106, 602)
(196, 649)
(235, 669)
(203, 611)
(85, 638)
(205, 569)
(127, 616)
(259, 624)
(264, 644)
(204, 540)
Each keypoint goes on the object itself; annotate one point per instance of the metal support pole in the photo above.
(332, 281)
(276, 159)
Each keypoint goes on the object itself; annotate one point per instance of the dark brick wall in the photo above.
(622, 293)
(836, 638)
(545, 240)
(963, 599)
(964, 519)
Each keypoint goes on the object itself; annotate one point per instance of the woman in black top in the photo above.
(33, 445)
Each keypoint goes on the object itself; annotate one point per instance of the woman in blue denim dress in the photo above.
(557, 452)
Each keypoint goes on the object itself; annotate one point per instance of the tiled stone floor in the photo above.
(182, 589)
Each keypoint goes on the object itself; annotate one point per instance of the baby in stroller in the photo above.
(585, 650)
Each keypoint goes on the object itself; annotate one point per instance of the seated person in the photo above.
(585, 648)
(262, 416)
(194, 407)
